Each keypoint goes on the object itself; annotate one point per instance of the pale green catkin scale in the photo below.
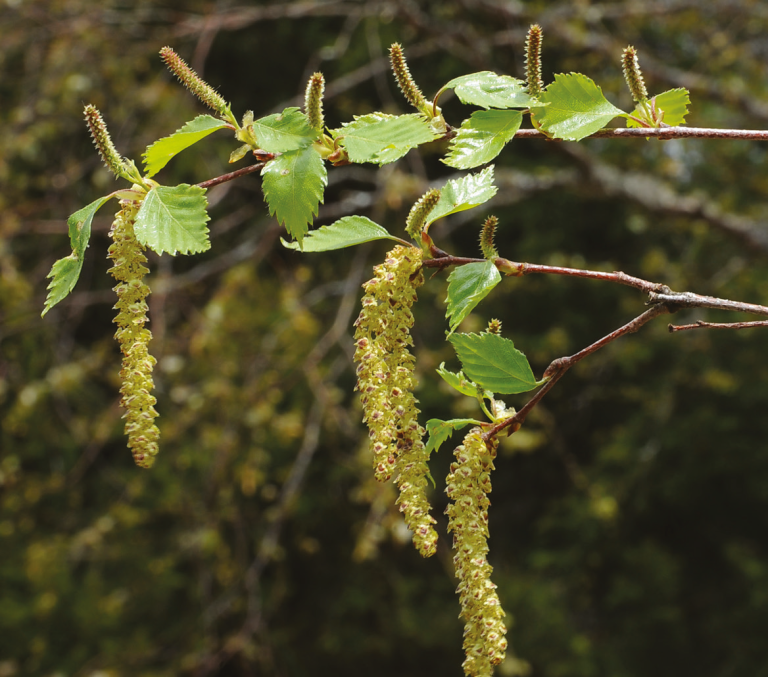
(467, 486)
(386, 381)
(129, 270)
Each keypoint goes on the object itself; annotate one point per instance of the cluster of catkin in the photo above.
(129, 270)
(127, 255)
(385, 379)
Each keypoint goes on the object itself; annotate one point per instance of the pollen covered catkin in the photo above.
(129, 270)
(468, 485)
(386, 381)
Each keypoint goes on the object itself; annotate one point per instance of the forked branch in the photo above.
(557, 368)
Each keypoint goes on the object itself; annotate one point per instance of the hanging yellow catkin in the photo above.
(129, 270)
(386, 381)
(468, 486)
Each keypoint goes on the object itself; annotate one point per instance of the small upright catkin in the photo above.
(417, 217)
(313, 101)
(487, 237)
(193, 82)
(633, 75)
(468, 484)
(533, 80)
(405, 80)
(103, 141)
(129, 270)
(386, 381)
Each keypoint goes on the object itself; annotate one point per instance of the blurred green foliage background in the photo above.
(630, 515)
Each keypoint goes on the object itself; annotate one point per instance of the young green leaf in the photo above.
(173, 219)
(489, 90)
(284, 131)
(65, 272)
(461, 383)
(482, 136)
(293, 185)
(465, 193)
(346, 232)
(439, 431)
(673, 102)
(239, 153)
(160, 152)
(494, 363)
(382, 138)
(577, 108)
(467, 286)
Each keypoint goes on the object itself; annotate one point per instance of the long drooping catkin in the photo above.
(129, 270)
(468, 486)
(386, 382)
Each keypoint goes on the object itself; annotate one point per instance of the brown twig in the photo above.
(232, 175)
(616, 276)
(657, 293)
(688, 299)
(515, 269)
(661, 298)
(558, 367)
(717, 325)
(662, 133)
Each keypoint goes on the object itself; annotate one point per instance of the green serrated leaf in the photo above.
(439, 431)
(673, 102)
(382, 138)
(461, 383)
(160, 152)
(467, 286)
(65, 272)
(493, 362)
(293, 185)
(482, 136)
(489, 90)
(173, 219)
(284, 131)
(346, 232)
(465, 193)
(79, 225)
(577, 108)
